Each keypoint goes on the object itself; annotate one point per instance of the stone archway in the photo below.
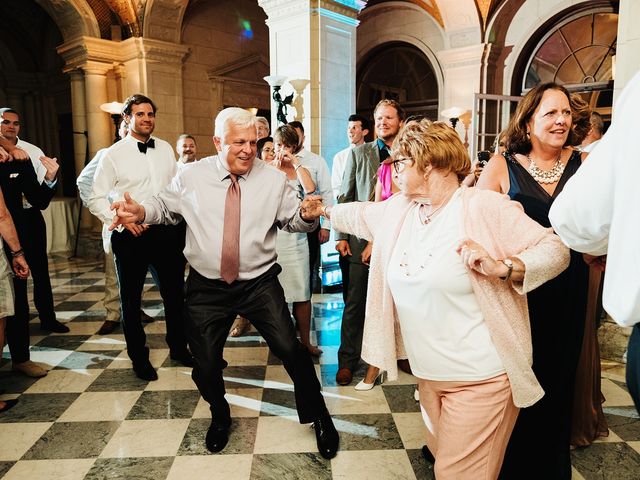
(73, 17)
(399, 71)
(31, 73)
(163, 19)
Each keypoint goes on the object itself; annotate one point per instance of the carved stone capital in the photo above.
(153, 50)
(81, 50)
(280, 9)
(461, 57)
(96, 55)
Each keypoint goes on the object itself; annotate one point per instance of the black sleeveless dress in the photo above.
(539, 446)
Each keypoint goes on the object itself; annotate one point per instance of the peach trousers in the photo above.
(468, 426)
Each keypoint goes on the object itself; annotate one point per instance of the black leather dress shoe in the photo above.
(107, 327)
(144, 370)
(326, 436)
(184, 358)
(217, 437)
(54, 326)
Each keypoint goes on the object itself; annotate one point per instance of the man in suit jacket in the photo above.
(358, 185)
(25, 196)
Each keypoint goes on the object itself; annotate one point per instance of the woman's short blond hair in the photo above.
(432, 143)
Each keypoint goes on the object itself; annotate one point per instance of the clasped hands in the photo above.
(311, 207)
(128, 213)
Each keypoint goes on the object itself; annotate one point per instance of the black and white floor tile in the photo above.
(91, 418)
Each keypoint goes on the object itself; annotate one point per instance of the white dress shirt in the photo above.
(85, 186)
(34, 154)
(198, 193)
(320, 175)
(589, 148)
(85, 179)
(337, 169)
(125, 169)
(597, 211)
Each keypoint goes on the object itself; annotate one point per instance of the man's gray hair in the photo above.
(265, 122)
(233, 116)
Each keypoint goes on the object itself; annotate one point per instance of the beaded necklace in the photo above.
(546, 176)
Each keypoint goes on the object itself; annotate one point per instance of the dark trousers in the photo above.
(354, 308)
(33, 239)
(314, 256)
(344, 269)
(633, 366)
(158, 250)
(210, 309)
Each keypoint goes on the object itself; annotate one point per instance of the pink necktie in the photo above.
(230, 261)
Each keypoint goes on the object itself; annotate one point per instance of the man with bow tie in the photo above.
(143, 165)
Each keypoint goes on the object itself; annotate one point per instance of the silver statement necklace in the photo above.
(546, 176)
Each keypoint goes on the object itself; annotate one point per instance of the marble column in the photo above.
(14, 100)
(316, 40)
(461, 69)
(154, 68)
(78, 118)
(98, 121)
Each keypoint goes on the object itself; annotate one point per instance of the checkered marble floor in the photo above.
(91, 418)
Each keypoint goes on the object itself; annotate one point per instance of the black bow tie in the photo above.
(143, 146)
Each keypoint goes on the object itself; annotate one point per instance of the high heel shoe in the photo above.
(362, 386)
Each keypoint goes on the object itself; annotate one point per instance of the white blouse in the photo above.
(443, 328)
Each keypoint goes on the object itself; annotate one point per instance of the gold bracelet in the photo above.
(296, 167)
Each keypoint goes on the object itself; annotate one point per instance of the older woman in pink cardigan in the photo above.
(449, 269)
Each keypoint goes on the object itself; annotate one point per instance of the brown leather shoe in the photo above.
(403, 364)
(29, 368)
(343, 377)
(107, 327)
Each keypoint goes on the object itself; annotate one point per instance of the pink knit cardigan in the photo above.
(504, 230)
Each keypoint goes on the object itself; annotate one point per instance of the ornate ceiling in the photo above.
(439, 9)
(129, 13)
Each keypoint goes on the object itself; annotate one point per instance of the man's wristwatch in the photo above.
(509, 264)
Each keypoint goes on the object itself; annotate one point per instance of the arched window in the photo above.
(577, 52)
(401, 72)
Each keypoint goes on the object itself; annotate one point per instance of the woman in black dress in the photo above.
(536, 165)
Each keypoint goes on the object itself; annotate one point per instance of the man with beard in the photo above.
(358, 185)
